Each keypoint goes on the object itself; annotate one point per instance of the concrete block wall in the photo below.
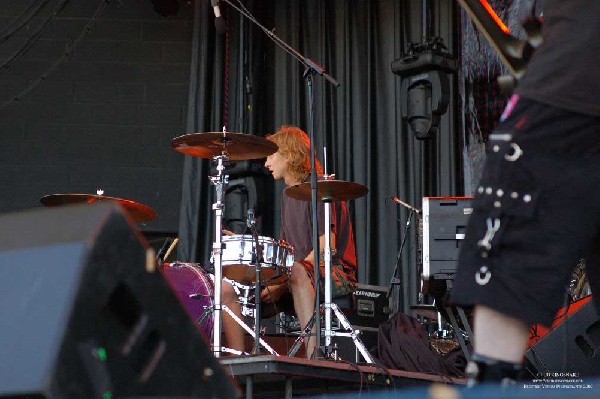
(105, 117)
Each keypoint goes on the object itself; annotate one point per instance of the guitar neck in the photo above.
(514, 52)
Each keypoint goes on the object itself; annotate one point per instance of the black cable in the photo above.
(58, 62)
(386, 372)
(34, 37)
(360, 373)
(17, 25)
(394, 279)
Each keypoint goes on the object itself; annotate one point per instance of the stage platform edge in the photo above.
(265, 376)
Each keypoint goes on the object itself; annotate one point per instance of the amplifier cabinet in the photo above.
(444, 224)
(371, 306)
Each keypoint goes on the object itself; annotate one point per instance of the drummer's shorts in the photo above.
(343, 282)
(535, 215)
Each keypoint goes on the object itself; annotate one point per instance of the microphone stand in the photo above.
(312, 68)
(395, 280)
(257, 259)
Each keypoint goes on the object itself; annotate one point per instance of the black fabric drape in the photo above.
(360, 122)
(204, 114)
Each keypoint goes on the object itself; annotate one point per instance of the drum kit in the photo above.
(243, 259)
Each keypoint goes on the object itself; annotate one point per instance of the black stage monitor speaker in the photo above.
(85, 313)
(571, 349)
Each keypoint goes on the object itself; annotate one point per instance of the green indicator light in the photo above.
(102, 355)
(107, 395)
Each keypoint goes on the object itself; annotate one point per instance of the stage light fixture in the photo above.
(425, 88)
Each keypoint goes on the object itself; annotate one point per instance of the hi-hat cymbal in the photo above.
(328, 190)
(138, 212)
(237, 146)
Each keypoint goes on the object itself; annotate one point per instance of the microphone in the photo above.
(220, 25)
(399, 201)
(250, 221)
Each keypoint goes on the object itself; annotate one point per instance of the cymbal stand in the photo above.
(241, 323)
(220, 180)
(328, 305)
(257, 259)
(257, 338)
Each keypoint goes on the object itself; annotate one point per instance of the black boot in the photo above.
(482, 369)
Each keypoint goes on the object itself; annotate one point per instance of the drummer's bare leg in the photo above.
(234, 334)
(303, 293)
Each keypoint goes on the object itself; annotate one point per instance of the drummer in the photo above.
(291, 163)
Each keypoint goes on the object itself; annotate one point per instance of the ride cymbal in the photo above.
(137, 211)
(237, 146)
(328, 190)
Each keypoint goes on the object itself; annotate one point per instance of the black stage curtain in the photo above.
(359, 123)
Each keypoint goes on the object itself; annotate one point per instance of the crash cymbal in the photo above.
(138, 212)
(237, 146)
(332, 190)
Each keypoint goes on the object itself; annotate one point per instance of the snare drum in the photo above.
(195, 290)
(277, 259)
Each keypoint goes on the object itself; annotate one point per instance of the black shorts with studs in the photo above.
(535, 214)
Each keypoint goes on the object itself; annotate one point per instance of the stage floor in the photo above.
(282, 376)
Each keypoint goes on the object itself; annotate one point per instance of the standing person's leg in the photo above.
(533, 217)
(499, 344)
(303, 293)
(499, 336)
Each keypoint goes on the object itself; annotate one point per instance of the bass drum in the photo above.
(195, 290)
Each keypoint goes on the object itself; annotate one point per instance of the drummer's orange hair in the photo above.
(294, 145)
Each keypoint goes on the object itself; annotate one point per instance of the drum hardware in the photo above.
(244, 299)
(232, 146)
(329, 190)
(292, 325)
(276, 259)
(428, 311)
(311, 69)
(136, 211)
(443, 344)
(443, 339)
(467, 335)
(221, 147)
(257, 259)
